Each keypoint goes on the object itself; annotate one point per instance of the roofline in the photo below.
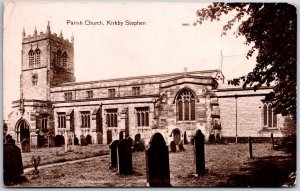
(134, 77)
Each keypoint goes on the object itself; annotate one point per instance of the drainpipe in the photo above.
(236, 135)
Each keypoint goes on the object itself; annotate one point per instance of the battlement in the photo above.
(46, 35)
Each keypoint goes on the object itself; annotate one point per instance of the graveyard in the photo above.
(223, 165)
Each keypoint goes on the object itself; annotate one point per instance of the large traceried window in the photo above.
(269, 116)
(85, 119)
(112, 117)
(185, 106)
(61, 119)
(142, 116)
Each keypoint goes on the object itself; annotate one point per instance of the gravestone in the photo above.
(51, 141)
(185, 139)
(141, 145)
(58, 141)
(137, 137)
(12, 164)
(88, 139)
(7, 137)
(76, 141)
(124, 156)
(157, 162)
(83, 141)
(272, 141)
(130, 140)
(199, 155)
(113, 153)
(250, 148)
(25, 145)
(11, 141)
(173, 147)
(180, 146)
(121, 135)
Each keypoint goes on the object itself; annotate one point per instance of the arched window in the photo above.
(269, 116)
(64, 59)
(31, 57)
(58, 58)
(37, 56)
(185, 106)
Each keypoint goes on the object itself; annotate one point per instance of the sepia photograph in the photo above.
(149, 94)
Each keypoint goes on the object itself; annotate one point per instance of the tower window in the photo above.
(34, 80)
(64, 59)
(58, 58)
(37, 56)
(112, 117)
(269, 116)
(31, 57)
(185, 106)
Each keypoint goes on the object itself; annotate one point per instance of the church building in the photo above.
(175, 104)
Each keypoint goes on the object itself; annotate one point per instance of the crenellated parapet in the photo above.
(46, 35)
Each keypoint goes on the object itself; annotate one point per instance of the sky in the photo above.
(163, 45)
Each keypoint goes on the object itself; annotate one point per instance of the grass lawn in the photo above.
(58, 154)
(227, 166)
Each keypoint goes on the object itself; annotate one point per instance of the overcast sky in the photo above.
(163, 45)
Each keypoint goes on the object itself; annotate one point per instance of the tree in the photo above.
(269, 29)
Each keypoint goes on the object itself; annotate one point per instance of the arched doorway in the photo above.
(23, 130)
(176, 136)
(109, 136)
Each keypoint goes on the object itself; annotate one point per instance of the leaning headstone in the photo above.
(157, 161)
(88, 139)
(12, 164)
(25, 145)
(199, 155)
(180, 146)
(124, 156)
(173, 147)
(11, 141)
(113, 153)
